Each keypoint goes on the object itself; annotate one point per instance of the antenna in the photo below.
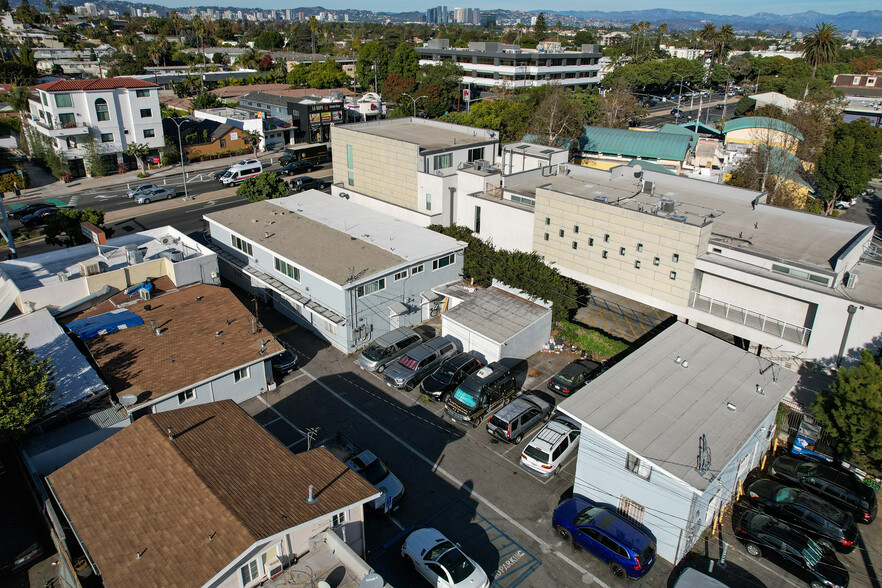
(703, 460)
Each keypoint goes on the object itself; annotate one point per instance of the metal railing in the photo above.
(754, 320)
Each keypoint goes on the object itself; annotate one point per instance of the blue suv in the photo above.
(628, 551)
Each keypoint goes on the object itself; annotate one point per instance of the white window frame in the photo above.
(149, 112)
(442, 161)
(338, 518)
(153, 136)
(186, 396)
(241, 374)
(142, 93)
(283, 268)
(401, 275)
(428, 201)
(69, 100)
(242, 245)
(436, 263)
(637, 466)
(417, 269)
(252, 568)
(363, 289)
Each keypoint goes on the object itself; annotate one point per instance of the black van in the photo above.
(480, 394)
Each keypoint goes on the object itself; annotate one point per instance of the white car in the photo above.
(140, 190)
(846, 204)
(546, 453)
(248, 162)
(441, 562)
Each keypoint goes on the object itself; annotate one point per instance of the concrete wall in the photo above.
(791, 310)
(530, 340)
(407, 215)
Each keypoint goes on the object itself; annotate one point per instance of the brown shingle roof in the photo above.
(136, 361)
(191, 505)
(99, 84)
(228, 92)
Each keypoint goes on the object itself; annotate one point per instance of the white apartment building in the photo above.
(115, 111)
(492, 65)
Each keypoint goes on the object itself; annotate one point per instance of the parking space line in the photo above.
(272, 421)
(460, 484)
(397, 524)
(295, 443)
(281, 416)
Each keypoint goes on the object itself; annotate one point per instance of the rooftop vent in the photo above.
(679, 218)
(601, 199)
(484, 372)
(311, 498)
(666, 204)
(648, 187)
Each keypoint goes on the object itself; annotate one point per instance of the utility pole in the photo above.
(181, 147)
(7, 234)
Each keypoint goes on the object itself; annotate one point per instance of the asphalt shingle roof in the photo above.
(643, 144)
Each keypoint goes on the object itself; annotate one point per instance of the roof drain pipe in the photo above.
(102, 292)
(851, 310)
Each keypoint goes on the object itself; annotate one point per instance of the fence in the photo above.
(755, 320)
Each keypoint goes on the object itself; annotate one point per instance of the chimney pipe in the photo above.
(171, 436)
(311, 499)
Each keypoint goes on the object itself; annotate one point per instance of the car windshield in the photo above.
(812, 553)
(537, 454)
(567, 375)
(227, 174)
(375, 472)
(444, 374)
(457, 564)
(465, 398)
(785, 495)
(806, 469)
(374, 352)
(588, 515)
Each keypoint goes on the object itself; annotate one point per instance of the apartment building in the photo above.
(494, 65)
(115, 112)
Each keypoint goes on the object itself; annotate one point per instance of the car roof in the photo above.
(394, 336)
(458, 360)
(618, 527)
(428, 348)
(551, 434)
(425, 539)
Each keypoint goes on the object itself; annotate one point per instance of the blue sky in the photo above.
(742, 7)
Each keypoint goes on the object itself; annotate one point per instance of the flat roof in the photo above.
(659, 409)
(137, 361)
(429, 135)
(533, 149)
(75, 380)
(496, 314)
(332, 237)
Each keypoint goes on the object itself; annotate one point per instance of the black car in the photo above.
(574, 376)
(24, 211)
(815, 517)
(38, 218)
(298, 167)
(219, 174)
(284, 363)
(450, 374)
(765, 536)
(836, 485)
(677, 113)
(307, 183)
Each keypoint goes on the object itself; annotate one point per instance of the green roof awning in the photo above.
(642, 144)
(761, 122)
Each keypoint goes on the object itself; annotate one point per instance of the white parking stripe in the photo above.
(280, 415)
(543, 544)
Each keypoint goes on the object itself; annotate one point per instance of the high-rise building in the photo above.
(467, 16)
(437, 15)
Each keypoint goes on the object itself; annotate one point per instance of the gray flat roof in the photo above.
(329, 235)
(429, 135)
(533, 149)
(658, 409)
(496, 314)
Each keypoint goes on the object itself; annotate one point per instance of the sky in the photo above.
(742, 7)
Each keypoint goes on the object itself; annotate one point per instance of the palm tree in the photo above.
(662, 29)
(635, 28)
(820, 47)
(249, 59)
(708, 34)
(785, 39)
(724, 38)
(252, 137)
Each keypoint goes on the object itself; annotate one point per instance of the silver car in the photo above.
(142, 189)
(387, 348)
(418, 363)
(155, 194)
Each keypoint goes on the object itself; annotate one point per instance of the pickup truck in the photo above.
(371, 468)
(307, 183)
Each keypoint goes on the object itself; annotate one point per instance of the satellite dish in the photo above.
(638, 170)
(128, 399)
(372, 580)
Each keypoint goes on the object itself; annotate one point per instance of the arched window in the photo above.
(101, 109)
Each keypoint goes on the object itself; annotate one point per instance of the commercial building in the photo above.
(271, 130)
(114, 113)
(311, 117)
(347, 273)
(604, 148)
(494, 65)
(682, 394)
(437, 15)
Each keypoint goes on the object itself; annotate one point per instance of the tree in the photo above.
(4, 5)
(394, 86)
(265, 186)
(540, 29)
(619, 108)
(26, 385)
(821, 46)
(63, 229)
(251, 137)
(139, 151)
(18, 99)
(94, 158)
(850, 411)
(405, 62)
(440, 85)
(220, 59)
(205, 100)
(327, 74)
(557, 118)
(848, 160)
(269, 41)
(372, 64)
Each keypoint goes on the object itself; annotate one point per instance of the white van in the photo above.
(241, 172)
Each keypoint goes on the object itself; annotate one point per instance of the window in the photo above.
(716, 250)
(656, 261)
(350, 180)
(560, 233)
(621, 250)
(142, 93)
(547, 221)
(149, 133)
(371, 288)
(66, 120)
(241, 374)
(417, 269)
(545, 237)
(673, 275)
(637, 264)
(639, 247)
(249, 572)
(428, 202)
(186, 396)
(638, 466)
(71, 143)
(338, 519)
(400, 275)
(443, 262)
(285, 268)
(782, 269)
(43, 97)
(477, 219)
(604, 254)
(606, 238)
(443, 161)
(675, 258)
(146, 113)
(575, 245)
(101, 111)
(590, 241)
(576, 229)
(107, 137)
(242, 245)
(63, 101)
(476, 153)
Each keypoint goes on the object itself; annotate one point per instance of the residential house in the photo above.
(682, 394)
(204, 496)
(868, 85)
(206, 138)
(271, 130)
(113, 112)
(345, 272)
(613, 38)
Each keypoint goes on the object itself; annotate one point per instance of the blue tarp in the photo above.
(148, 286)
(88, 328)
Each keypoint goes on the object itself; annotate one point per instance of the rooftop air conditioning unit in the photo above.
(134, 255)
(273, 567)
(62, 277)
(667, 205)
(90, 269)
(173, 255)
(648, 187)
(144, 293)
(851, 280)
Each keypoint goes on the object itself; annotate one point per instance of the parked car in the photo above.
(836, 485)
(441, 562)
(298, 167)
(137, 191)
(38, 218)
(815, 517)
(307, 183)
(868, 191)
(574, 376)
(692, 578)
(284, 363)
(387, 348)
(219, 174)
(627, 550)
(418, 363)
(546, 453)
(480, 394)
(765, 536)
(155, 194)
(441, 383)
(19, 213)
(846, 204)
(510, 423)
(249, 162)
(370, 467)
(677, 113)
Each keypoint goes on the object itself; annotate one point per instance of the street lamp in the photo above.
(680, 94)
(414, 101)
(181, 147)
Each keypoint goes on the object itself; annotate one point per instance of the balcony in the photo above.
(748, 318)
(58, 129)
